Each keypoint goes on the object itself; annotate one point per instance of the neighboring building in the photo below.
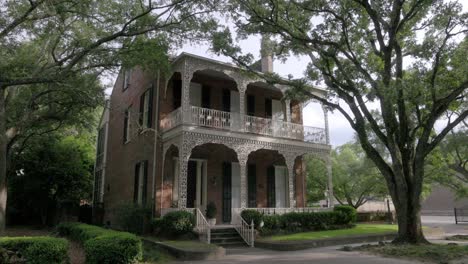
(442, 201)
(207, 133)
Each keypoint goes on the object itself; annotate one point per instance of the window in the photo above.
(127, 126)
(252, 185)
(176, 94)
(126, 78)
(226, 100)
(206, 102)
(141, 176)
(268, 108)
(250, 105)
(146, 108)
(100, 146)
(97, 187)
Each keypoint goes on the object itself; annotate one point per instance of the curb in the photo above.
(189, 254)
(325, 242)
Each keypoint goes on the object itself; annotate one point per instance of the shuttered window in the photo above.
(252, 185)
(146, 109)
(140, 182)
(127, 125)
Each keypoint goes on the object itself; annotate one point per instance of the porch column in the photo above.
(290, 158)
(243, 180)
(184, 155)
(186, 78)
(330, 182)
(242, 89)
(288, 110)
(327, 132)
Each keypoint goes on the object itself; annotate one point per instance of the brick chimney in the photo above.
(266, 51)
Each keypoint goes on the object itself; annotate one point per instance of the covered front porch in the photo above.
(265, 179)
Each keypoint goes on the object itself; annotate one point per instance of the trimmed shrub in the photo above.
(38, 250)
(349, 214)
(272, 222)
(211, 210)
(178, 223)
(249, 215)
(113, 248)
(133, 218)
(104, 245)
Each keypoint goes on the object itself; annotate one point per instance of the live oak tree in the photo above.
(407, 57)
(53, 51)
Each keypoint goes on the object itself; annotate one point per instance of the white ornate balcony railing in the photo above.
(203, 227)
(246, 231)
(251, 124)
(173, 119)
(280, 211)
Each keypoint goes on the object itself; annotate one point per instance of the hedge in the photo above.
(176, 223)
(341, 217)
(37, 250)
(104, 245)
(350, 214)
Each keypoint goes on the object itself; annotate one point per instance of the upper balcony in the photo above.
(210, 94)
(236, 122)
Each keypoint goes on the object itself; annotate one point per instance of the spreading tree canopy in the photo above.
(407, 57)
(53, 51)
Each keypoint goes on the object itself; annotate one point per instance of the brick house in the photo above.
(206, 133)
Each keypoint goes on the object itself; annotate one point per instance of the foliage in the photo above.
(49, 78)
(157, 224)
(53, 172)
(359, 229)
(38, 250)
(250, 215)
(178, 223)
(272, 222)
(211, 210)
(355, 178)
(373, 217)
(103, 245)
(349, 212)
(133, 217)
(391, 68)
(448, 164)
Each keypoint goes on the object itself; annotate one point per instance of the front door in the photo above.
(227, 192)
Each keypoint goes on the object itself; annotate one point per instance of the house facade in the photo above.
(206, 133)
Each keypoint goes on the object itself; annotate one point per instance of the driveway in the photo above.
(326, 255)
(446, 224)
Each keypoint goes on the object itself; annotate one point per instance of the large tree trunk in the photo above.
(3, 161)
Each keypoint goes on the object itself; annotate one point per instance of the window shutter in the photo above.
(250, 105)
(176, 93)
(271, 197)
(268, 108)
(150, 107)
(226, 100)
(145, 181)
(135, 186)
(206, 102)
(142, 109)
(125, 132)
(252, 185)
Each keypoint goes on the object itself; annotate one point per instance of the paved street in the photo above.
(328, 255)
(444, 225)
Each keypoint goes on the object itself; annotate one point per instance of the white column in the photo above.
(205, 185)
(327, 132)
(186, 78)
(243, 181)
(330, 182)
(288, 110)
(242, 87)
(183, 163)
(290, 158)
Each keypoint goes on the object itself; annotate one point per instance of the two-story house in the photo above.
(206, 133)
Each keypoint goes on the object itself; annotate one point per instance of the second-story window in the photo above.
(250, 105)
(126, 78)
(226, 100)
(146, 108)
(268, 108)
(127, 126)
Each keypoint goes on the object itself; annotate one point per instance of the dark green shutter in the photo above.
(125, 132)
(252, 185)
(227, 191)
(150, 107)
(135, 183)
(142, 109)
(271, 195)
(145, 182)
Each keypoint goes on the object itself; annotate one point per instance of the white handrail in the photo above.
(246, 231)
(280, 211)
(171, 120)
(203, 227)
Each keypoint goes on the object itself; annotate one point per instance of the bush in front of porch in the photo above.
(340, 218)
(174, 224)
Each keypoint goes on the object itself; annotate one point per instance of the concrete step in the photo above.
(226, 237)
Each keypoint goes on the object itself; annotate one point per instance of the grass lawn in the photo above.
(360, 229)
(434, 253)
(152, 254)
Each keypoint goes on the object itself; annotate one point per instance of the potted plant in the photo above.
(211, 213)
